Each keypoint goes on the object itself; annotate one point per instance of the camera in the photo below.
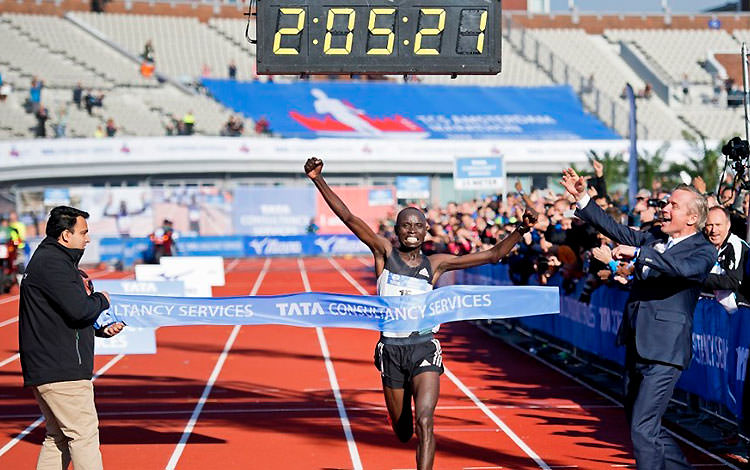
(736, 149)
(658, 203)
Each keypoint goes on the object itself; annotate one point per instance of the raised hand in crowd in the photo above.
(526, 199)
(574, 184)
(699, 184)
(598, 168)
(602, 253)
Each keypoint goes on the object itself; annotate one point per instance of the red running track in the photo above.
(277, 397)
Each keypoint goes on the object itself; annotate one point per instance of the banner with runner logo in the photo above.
(312, 109)
(312, 309)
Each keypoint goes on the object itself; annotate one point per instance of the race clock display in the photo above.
(378, 37)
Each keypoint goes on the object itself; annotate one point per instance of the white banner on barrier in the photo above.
(196, 284)
(131, 340)
(210, 268)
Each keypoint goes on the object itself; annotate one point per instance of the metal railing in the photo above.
(611, 112)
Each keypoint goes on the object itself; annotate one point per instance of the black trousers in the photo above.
(648, 387)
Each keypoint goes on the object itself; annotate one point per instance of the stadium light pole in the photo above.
(746, 103)
(667, 12)
(745, 91)
(573, 9)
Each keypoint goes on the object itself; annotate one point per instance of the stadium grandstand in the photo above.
(151, 116)
(596, 56)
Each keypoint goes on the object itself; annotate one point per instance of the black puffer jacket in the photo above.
(56, 317)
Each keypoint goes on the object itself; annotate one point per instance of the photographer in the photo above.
(725, 278)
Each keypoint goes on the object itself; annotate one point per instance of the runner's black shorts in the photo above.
(401, 359)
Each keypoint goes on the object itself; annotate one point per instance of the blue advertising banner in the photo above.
(393, 110)
(56, 197)
(128, 251)
(310, 309)
(720, 355)
(273, 210)
(309, 245)
(132, 250)
(228, 247)
(413, 187)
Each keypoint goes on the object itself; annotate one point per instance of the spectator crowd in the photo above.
(564, 251)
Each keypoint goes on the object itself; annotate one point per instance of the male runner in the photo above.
(410, 362)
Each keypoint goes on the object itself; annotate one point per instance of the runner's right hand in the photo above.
(313, 167)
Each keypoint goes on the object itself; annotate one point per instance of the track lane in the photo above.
(465, 436)
(541, 411)
(278, 410)
(145, 401)
(172, 380)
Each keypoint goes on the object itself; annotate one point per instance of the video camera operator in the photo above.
(735, 195)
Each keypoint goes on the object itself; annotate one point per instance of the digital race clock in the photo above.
(378, 37)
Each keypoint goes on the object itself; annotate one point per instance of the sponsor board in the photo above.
(479, 173)
(195, 283)
(210, 268)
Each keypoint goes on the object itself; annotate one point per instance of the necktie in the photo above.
(670, 244)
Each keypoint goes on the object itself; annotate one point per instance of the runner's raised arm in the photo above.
(377, 244)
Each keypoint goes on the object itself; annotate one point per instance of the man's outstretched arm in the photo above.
(593, 214)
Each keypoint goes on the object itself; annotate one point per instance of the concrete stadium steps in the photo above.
(677, 52)
(182, 46)
(31, 59)
(64, 38)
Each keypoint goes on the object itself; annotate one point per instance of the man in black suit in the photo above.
(657, 323)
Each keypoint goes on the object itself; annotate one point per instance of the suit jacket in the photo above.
(659, 312)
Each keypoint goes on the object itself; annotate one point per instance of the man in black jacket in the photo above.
(56, 342)
(657, 324)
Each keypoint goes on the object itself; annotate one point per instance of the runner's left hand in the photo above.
(530, 217)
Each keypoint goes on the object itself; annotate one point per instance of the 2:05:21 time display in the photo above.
(381, 31)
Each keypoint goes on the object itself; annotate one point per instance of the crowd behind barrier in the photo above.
(720, 339)
(129, 251)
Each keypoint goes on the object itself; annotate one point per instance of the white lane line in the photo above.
(350, 442)
(619, 404)
(10, 321)
(177, 453)
(348, 277)
(463, 388)
(10, 359)
(230, 267)
(495, 419)
(40, 419)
